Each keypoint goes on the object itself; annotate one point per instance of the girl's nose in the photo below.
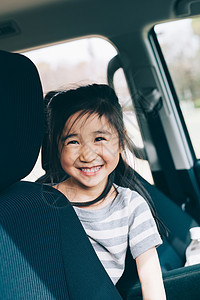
(87, 153)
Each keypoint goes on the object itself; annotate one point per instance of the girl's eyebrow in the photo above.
(102, 132)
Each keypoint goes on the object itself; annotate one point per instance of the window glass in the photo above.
(79, 62)
(74, 63)
(180, 44)
(131, 124)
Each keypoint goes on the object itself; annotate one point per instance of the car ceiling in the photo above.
(39, 22)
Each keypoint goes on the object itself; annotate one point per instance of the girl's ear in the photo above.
(120, 148)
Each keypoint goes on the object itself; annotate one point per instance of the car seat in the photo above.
(45, 253)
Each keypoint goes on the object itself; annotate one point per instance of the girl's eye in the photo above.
(71, 143)
(99, 139)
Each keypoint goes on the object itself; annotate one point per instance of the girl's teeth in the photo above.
(90, 170)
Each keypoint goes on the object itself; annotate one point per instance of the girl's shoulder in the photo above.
(135, 204)
(129, 197)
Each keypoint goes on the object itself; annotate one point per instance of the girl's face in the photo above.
(89, 150)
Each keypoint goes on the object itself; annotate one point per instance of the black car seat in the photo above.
(45, 253)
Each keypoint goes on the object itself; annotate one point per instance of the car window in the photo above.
(80, 62)
(180, 44)
(130, 119)
(73, 63)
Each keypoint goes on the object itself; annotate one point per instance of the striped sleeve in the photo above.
(143, 232)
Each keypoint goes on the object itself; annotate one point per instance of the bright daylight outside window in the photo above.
(180, 44)
(84, 61)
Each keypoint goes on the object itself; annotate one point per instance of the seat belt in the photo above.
(83, 268)
(151, 102)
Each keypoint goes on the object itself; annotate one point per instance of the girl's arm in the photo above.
(150, 275)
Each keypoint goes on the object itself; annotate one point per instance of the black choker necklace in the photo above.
(85, 204)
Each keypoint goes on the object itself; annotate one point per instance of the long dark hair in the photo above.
(97, 99)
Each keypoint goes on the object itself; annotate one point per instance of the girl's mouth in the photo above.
(90, 171)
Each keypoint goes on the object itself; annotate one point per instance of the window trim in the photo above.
(155, 45)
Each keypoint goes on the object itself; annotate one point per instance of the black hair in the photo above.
(97, 99)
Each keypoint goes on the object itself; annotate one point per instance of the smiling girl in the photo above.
(86, 143)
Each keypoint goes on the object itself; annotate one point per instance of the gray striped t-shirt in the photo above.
(125, 221)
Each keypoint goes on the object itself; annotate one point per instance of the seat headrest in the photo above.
(21, 117)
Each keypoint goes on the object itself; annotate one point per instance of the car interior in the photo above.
(149, 52)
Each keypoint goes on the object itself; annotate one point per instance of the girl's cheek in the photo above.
(71, 153)
(110, 151)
